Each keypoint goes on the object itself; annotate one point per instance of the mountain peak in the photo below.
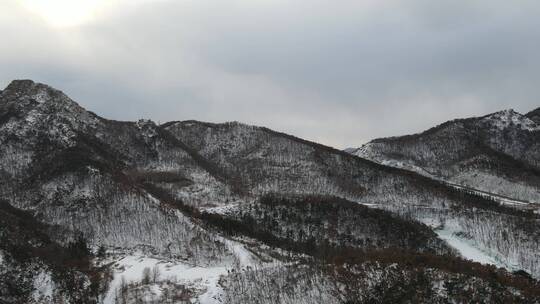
(27, 106)
(506, 113)
(26, 87)
(25, 95)
(18, 84)
(507, 118)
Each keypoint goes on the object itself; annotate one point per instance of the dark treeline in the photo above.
(450, 264)
(26, 242)
(340, 223)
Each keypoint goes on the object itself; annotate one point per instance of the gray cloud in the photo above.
(336, 72)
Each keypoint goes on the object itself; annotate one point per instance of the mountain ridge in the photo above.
(502, 146)
(208, 197)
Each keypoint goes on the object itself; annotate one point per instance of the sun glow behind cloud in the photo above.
(65, 13)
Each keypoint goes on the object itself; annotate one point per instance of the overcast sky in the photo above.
(340, 72)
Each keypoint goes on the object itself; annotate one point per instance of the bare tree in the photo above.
(155, 273)
(123, 289)
(146, 276)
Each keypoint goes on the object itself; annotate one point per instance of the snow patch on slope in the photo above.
(468, 248)
(43, 287)
(129, 268)
(223, 209)
(465, 247)
(42, 96)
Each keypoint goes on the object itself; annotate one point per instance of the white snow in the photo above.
(244, 256)
(224, 209)
(42, 96)
(465, 247)
(469, 249)
(214, 292)
(371, 205)
(130, 268)
(43, 287)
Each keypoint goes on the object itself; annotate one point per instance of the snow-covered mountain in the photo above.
(497, 153)
(101, 211)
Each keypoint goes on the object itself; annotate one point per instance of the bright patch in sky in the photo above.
(62, 13)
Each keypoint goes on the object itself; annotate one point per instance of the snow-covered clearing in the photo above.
(130, 267)
(465, 247)
(469, 249)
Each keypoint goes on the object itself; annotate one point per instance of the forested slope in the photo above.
(89, 200)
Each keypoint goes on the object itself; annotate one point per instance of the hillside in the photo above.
(496, 153)
(188, 210)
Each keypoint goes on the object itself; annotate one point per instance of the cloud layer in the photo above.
(338, 72)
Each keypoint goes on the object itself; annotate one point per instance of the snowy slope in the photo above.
(496, 153)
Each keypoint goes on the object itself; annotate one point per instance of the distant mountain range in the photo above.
(100, 211)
